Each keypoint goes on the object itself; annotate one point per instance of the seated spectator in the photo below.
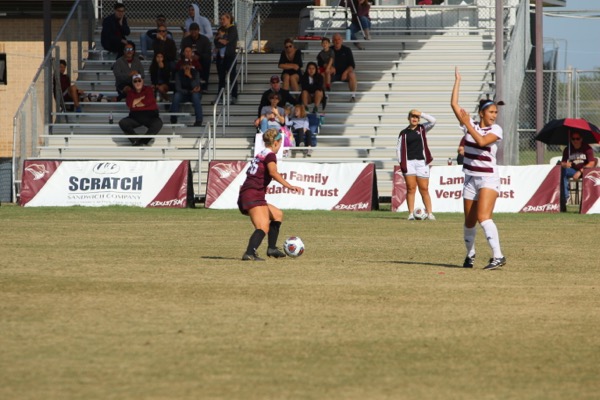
(147, 39)
(69, 91)
(284, 96)
(115, 30)
(162, 43)
(203, 22)
(576, 156)
(325, 61)
(124, 68)
(343, 65)
(291, 64)
(360, 20)
(312, 87)
(298, 124)
(143, 111)
(201, 49)
(160, 75)
(271, 116)
(187, 89)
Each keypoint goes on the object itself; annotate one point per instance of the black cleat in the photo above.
(496, 263)
(276, 253)
(469, 261)
(251, 257)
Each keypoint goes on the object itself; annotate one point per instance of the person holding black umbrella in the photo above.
(576, 156)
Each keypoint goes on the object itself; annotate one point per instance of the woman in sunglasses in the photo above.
(290, 62)
(482, 178)
(576, 156)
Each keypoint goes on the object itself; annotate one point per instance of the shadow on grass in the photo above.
(427, 264)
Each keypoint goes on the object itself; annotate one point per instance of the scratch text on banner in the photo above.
(107, 183)
(460, 180)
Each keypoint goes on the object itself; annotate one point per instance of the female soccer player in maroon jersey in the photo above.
(482, 178)
(265, 217)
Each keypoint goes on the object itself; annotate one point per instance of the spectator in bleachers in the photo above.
(414, 158)
(271, 116)
(312, 87)
(298, 124)
(115, 30)
(160, 75)
(143, 111)
(164, 44)
(284, 96)
(203, 22)
(147, 39)
(69, 91)
(224, 63)
(202, 51)
(325, 61)
(360, 19)
(188, 87)
(124, 68)
(290, 62)
(343, 65)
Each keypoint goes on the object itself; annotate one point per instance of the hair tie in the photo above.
(278, 137)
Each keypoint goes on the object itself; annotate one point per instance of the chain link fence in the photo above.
(567, 94)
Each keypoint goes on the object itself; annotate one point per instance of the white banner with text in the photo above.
(531, 188)
(105, 183)
(325, 186)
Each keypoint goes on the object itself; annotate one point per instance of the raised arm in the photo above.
(454, 99)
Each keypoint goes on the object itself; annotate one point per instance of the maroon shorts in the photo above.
(251, 198)
(321, 70)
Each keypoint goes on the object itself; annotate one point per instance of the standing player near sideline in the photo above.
(265, 217)
(414, 158)
(482, 179)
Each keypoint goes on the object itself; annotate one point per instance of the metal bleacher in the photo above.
(396, 72)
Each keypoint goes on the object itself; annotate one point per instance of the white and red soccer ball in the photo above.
(293, 246)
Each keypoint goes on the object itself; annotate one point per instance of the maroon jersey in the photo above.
(252, 192)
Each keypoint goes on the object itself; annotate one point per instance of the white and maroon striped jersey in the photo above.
(481, 161)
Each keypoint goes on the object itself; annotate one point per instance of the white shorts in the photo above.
(418, 168)
(474, 183)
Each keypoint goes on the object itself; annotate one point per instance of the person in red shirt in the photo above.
(576, 156)
(265, 217)
(69, 91)
(143, 111)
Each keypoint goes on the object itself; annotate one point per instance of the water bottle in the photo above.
(110, 118)
(450, 161)
(348, 34)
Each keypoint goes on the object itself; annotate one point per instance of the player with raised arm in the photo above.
(265, 217)
(482, 179)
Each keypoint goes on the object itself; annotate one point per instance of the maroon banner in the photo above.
(590, 191)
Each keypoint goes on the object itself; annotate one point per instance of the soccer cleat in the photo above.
(431, 217)
(275, 252)
(496, 263)
(251, 257)
(411, 217)
(469, 261)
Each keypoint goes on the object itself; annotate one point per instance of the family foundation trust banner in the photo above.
(325, 186)
(106, 183)
(532, 188)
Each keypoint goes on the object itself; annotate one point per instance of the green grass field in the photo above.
(127, 303)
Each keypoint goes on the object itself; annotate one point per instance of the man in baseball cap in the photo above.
(284, 95)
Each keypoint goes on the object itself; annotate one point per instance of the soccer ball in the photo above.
(419, 213)
(293, 246)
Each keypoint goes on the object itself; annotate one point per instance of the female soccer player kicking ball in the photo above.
(265, 217)
(482, 179)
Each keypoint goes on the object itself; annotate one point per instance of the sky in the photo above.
(578, 39)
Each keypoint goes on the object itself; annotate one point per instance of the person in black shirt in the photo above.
(343, 65)
(284, 96)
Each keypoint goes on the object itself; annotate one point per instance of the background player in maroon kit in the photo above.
(265, 217)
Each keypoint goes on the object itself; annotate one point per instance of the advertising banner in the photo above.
(326, 186)
(106, 183)
(590, 192)
(532, 188)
